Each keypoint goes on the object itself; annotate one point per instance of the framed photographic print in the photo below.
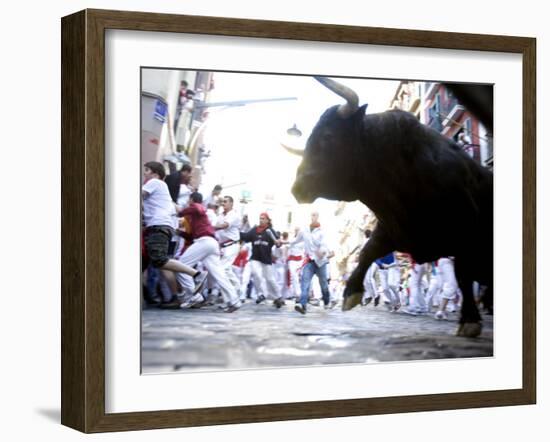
(267, 221)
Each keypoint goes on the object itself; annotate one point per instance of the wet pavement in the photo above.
(208, 339)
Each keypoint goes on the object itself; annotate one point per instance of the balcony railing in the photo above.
(448, 112)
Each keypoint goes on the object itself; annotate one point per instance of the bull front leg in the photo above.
(470, 320)
(377, 246)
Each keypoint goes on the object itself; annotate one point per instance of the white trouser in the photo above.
(434, 289)
(207, 250)
(264, 273)
(417, 301)
(279, 269)
(212, 284)
(450, 286)
(239, 272)
(389, 281)
(245, 279)
(368, 283)
(228, 255)
(294, 269)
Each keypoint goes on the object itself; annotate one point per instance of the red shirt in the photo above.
(200, 226)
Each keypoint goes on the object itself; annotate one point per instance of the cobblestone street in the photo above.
(255, 336)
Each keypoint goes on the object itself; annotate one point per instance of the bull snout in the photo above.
(297, 191)
(302, 189)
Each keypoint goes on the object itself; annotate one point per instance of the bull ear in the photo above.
(361, 112)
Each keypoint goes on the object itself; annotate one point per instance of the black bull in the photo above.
(430, 198)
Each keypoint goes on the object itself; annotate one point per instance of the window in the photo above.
(434, 114)
(468, 126)
(435, 108)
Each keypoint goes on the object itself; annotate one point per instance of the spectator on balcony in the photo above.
(182, 98)
(465, 142)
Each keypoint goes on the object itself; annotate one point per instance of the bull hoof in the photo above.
(469, 330)
(351, 301)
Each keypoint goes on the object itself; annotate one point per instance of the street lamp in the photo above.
(294, 131)
(292, 135)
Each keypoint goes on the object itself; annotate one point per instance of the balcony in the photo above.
(447, 117)
(452, 111)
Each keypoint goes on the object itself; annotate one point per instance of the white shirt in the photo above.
(210, 199)
(183, 196)
(231, 232)
(314, 245)
(296, 249)
(212, 216)
(158, 208)
(278, 254)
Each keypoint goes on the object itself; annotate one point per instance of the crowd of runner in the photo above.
(197, 251)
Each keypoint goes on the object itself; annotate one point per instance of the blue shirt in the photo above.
(386, 260)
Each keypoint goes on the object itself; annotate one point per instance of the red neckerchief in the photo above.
(314, 226)
(261, 229)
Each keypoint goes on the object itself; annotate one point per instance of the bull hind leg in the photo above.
(377, 247)
(469, 324)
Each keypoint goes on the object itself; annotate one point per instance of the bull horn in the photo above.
(352, 101)
(293, 150)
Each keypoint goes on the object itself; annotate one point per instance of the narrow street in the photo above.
(260, 336)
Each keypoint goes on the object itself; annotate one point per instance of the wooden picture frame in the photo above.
(83, 220)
